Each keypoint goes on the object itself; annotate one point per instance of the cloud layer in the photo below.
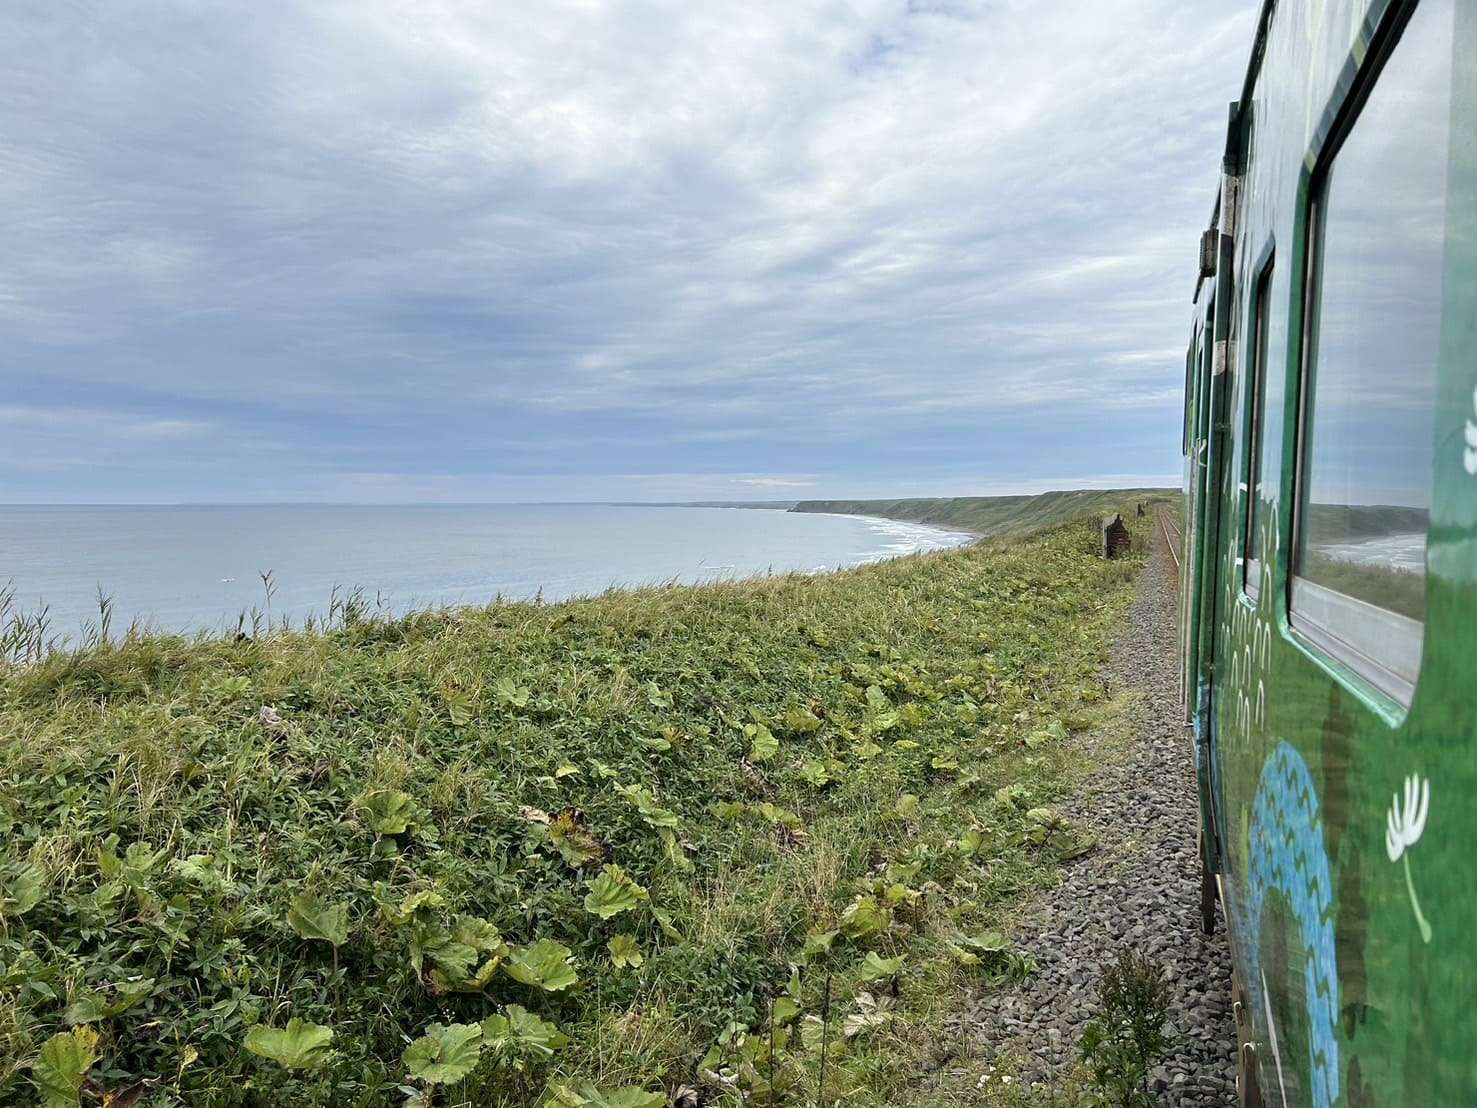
(585, 250)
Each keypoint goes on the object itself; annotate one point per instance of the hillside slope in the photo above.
(993, 515)
(310, 867)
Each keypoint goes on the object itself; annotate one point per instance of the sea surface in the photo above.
(199, 568)
(1402, 550)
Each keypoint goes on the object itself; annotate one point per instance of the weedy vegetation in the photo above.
(735, 844)
(1125, 1040)
(1127, 1036)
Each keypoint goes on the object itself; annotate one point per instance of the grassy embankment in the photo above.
(995, 516)
(527, 854)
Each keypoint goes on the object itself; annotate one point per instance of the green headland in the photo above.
(994, 516)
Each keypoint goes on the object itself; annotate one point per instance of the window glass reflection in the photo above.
(1377, 307)
(1257, 392)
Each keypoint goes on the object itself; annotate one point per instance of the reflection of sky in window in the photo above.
(1379, 308)
(1379, 317)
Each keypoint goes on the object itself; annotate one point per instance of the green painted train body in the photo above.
(1329, 584)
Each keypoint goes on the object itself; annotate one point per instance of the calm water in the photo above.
(189, 568)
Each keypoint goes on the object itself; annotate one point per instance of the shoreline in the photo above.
(74, 626)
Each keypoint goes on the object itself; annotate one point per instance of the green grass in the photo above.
(158, 830)
(996, 516)
(1399, 590)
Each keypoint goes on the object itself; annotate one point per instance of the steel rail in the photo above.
(1172, 543)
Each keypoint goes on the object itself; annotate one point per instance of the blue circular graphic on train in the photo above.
(1286, 855)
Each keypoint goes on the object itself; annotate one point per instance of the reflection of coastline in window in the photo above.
(1256, 398)
(1370, 381)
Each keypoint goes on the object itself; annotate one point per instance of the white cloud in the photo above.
(774, 482)
(428, 230)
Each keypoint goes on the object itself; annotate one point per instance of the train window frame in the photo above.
(1190, 359)
(1258, 351)
(1380, 648)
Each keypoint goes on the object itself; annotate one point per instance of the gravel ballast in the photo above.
(1139, 890)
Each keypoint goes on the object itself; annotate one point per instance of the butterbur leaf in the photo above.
(62, 1066)
(134, 867)
(585, 1095)
(576, 845)
(479, 934)
(870, 1013)
(816, 774)
(201, 869)
(802, 721)
(762, 744)
(878, 968)
(389, 811)
(1066, 844)
(456, 954)
(22, 885)
(450, 960)
(311, 918)
(664, 921)
(962, 956)
(459, 707)
(786, 1009)
(522, 1032)
(87, 1006)
(645, 802)
(298, 1046)
(1013, 796)
(673, 849)
(90, 1006)
(444, 1054)
(864, 917)
(906, 807)
(416, 905)
(510, 692)
(612, 893)
(624, 952)
(775, 814)
(971, 842)
(986, 942)
(544, 965)
(818, 945)
(898, 894)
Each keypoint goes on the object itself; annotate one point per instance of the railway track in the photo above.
(1173, 538)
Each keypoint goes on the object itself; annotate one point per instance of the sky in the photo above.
(365, 251)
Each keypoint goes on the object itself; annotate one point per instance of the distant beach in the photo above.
(204, 568)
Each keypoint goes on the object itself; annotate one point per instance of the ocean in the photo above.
(192, 568)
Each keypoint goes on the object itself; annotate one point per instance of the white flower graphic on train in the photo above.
(1471, 453)
(1404, 824)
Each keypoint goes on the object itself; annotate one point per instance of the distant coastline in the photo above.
(187, 569)
(992, 516)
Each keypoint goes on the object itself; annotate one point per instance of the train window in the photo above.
(1256, 402)
(1369, 387)
(1189, 381)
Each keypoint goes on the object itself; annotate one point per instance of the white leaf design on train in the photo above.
(1404, 824)
(1471, 454)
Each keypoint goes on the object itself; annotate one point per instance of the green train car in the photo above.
(1329, 581)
